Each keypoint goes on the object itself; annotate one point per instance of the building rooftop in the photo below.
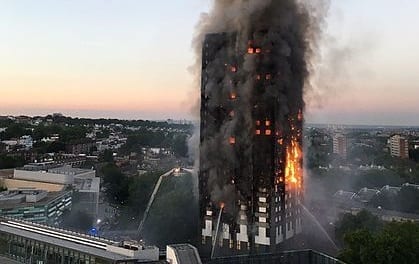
(52, 167)
(289, 257)
(365, 194)
(183, 253)
(80, 242)
(68, 170)
(87, 185)
(344, 195)
(19, 198)
(391, 189)
(411, 185)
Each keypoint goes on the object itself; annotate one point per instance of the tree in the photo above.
(364, 220)
(116, 184)
(179, 145)
(173, 217)
(140, 189)
(397, 242)
(106, 156)
(15, 131)
(7, 162)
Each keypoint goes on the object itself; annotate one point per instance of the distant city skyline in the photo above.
(126, 59)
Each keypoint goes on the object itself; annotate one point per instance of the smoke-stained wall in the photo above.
(255, 64)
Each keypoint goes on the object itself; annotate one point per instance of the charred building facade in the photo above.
(250, 176)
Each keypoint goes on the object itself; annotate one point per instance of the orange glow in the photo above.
(222, 205)
(281, 141)
(250, 50)
(268, 132)
(232, 140)
(258, 132)
(258, 123)
(258, 77)
(300, 115)
(233, 96)
(293, 171)
(267, 123)
(258, 50)
(233, 69)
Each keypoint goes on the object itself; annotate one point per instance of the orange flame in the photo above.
(293, 171)
(222, 205)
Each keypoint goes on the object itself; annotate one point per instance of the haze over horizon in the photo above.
(125, 59)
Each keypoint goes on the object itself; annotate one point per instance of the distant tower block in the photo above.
(399, 147)
(340, 145)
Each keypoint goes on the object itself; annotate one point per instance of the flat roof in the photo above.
(50, 197)
(51, 167)
(68, 170)
(87, 185)
(66, 239)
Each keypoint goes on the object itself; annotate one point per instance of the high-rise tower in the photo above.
(250, 176)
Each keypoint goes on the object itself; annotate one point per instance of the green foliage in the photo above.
(156, 139)
(67, 133)
(52, 147)
(116, 184)
(140, 190)
(395, 243)
(15, 130)
(75, 133)
(179, 145)
(133, 192)
(103, 134)
(364, 220)
(174, 215)
(106, 156)
(8, 162)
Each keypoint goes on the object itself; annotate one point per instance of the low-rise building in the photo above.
(80, 148)
(49, 177)
(52, 245)
(35, 205)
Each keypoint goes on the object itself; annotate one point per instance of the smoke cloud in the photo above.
(290, 33)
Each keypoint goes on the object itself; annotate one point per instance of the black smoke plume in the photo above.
(289, 31)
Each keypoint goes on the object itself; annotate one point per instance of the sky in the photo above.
(130, 58)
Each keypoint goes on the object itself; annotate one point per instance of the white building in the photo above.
(26, 141)
(399, 147)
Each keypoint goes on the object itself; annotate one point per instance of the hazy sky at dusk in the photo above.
(129, 59)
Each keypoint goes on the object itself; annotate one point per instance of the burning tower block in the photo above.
(250, 175)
